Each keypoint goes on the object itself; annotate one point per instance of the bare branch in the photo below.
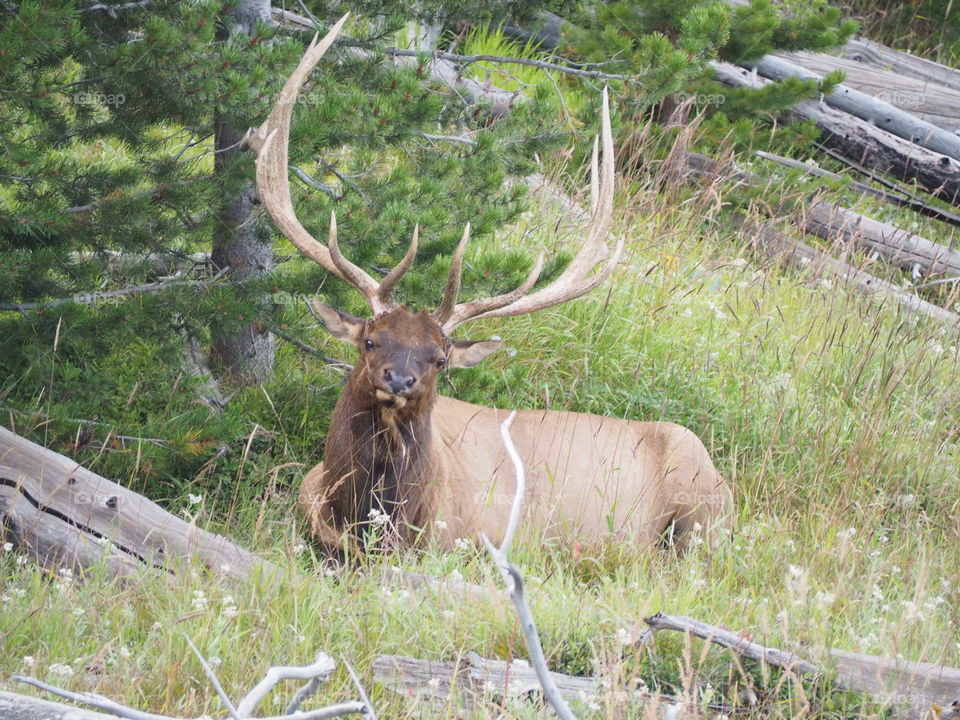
(514, 582)
(363, 693)
(212, 676)
(321, 668)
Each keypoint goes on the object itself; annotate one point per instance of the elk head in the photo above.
(401, 352)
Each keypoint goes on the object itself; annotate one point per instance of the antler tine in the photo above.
(387, 285)
(447, 305)
(478, 308)
(270, 141)
(576, 279)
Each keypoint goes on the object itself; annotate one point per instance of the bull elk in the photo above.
(434, 465)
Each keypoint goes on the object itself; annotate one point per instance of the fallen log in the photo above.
(930, 102)
(767, 239)
(872, 110)
(874, 54)
(870, 145)
(912, 687)
(63, 515)
(902, 248)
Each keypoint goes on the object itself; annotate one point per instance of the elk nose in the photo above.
(398, 384)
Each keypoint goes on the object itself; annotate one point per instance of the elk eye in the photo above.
(368, 344)
(442, 363)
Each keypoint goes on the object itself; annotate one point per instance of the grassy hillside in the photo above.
(835, 421)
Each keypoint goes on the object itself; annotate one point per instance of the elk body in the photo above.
(399, 451)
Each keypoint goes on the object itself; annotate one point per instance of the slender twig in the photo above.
(468, 59)
(333, 362)
(314, 183)
(514, 582)
(363, 693)
(212, 676)
(90, 298)
(97, 701)
(447, 138)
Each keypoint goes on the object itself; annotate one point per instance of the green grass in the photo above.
(833, 419)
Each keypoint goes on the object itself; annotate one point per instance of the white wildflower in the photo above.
(230, 611)
(21, 560)
(299, 549)
(433, 683)
(60, 669)
(214, 662)
(199, 600)
(847, 534)
(194, 499)
(124, 651)
(66, 573)
(623, 636)
(440, 524)
(29, 660)
(8, 547)
(377, 518)
(462, 544)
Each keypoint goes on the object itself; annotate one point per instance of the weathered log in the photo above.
(905, 249)
(23, 707)
(882, 114)
(901, 248)
(876, 55)
(868, 144)
(770, 241)
(472, 678)
(936, 104)
(910, 687)
(62, 514)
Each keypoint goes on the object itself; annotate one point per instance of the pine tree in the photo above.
(117, 122)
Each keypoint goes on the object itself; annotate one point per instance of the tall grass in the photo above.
(834, 418)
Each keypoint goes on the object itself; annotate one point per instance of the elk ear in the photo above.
(341, 325)
(467, 353)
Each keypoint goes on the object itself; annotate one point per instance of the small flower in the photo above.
(214, 662)
(440, 524)
(377, 518)
(60, 669)
(230, 611)
(433, 683)
(8, 547)
(194, 499)
(124, 651)
(299, 549)
(29, 660)
(199, 600)
(462, 544)
(66, 573)
(847, 534)
(21, 560)
(157, 626)
(623, 636)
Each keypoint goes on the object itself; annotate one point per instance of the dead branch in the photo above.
(29, 707)
(914, 687)
(514, 581)
(726, 638)
(896, 196)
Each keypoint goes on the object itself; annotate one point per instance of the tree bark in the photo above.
(242, 356)
(63, 515)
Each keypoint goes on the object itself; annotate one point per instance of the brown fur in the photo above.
(589, 478)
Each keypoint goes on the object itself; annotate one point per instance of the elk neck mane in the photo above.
(385, 453)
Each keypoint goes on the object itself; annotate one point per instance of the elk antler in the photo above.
(575, 280)
(270, 141)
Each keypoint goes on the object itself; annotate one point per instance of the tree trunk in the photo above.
(876, 55)
(245, 355)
